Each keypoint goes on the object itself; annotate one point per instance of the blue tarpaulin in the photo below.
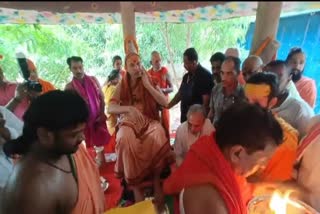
(299, 31)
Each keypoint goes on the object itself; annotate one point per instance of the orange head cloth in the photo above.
(257, 90)
(31, 65)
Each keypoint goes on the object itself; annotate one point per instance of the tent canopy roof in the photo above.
(103, 6)
(49, 12)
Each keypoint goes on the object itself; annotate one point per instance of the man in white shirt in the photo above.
(10, 128)
(197, 125)
(294, 111)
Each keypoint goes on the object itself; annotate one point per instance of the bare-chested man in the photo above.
(55, 174)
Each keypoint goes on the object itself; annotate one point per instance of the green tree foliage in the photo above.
(50, 45)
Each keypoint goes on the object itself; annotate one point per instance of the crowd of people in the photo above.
(244, 127)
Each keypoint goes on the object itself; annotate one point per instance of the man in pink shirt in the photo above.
(306, 86)
(7, 89)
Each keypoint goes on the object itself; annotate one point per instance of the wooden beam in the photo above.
(128, 19)
(267, 22)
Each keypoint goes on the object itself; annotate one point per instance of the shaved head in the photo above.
(253, 64)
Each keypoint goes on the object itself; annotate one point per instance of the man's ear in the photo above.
(44, 135)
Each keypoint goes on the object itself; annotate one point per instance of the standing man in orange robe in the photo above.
(161, 77)
(296, 60)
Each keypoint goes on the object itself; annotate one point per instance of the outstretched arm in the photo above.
(169, 82)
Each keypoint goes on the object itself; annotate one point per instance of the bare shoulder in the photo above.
(30, 187)
(203, 199)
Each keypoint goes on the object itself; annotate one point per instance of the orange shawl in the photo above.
(280, 166)
(205, 164)
(151, 107)
(46, 86)
(90, 194)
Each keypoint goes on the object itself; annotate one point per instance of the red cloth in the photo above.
(204, 164)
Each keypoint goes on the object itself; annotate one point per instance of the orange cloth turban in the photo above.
(257, 90)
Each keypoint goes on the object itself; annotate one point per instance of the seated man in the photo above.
(96, 132)
(294, 111)
(262, 89)
(55, 173)
(197, 125)
(25, 93)
(208, 178)
(251, 65)
(10, 128)
(142, 148)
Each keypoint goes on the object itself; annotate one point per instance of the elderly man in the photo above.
(251, 65)
(195, 87)
(228, 91)
(88, 87)
(10, 128)
(162, 78)
(296, 60)
(188, 132)
(295, 111)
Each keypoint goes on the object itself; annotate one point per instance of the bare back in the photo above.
(38, 188)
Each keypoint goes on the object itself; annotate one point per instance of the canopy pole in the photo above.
(267, 22)
(128, 19)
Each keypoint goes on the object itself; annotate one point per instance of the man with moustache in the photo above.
(306, 86)
(227, 92)
(55, 174)
(88, 87)
(195, 87)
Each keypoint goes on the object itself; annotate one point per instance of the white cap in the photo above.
(20, 55)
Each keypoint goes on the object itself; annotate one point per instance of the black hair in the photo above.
(218, 56)
(191, 54)
(55, 110)
(277, 63)
(74, 59)
(293, 51)
(236, 61)
(115, 58)
(268, 78)
(247, 125)
(113, 75)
